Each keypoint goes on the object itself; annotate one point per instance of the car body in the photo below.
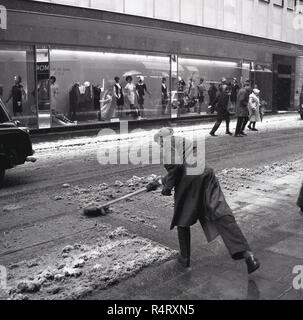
(15, 143)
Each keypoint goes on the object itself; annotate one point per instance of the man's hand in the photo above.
(166, 192)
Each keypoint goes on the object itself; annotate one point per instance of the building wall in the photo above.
(261, 18)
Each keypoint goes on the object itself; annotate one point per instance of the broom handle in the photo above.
(124, 197)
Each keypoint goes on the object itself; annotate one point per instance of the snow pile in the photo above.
(76, 270)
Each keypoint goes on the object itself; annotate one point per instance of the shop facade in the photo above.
(68, 59)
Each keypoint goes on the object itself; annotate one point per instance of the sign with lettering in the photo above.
(43, 70)
(3, 18)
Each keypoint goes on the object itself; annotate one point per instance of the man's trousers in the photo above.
(241, 124)
(230, 232)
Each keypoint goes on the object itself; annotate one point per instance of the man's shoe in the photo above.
(243, 133)
(185, 262)
(255, 129)
(238, 136)
(213, 135)
(253, 264)
(229, 133)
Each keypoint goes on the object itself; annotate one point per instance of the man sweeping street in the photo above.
(199, 198)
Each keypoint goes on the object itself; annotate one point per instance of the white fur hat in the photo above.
(256, 91)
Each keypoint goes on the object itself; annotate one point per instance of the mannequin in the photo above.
(130, 90)
(119, 98)
(141, 89)
(164, 95)
(18, 95)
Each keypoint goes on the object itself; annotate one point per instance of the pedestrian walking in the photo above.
(212, 94)
(221, 106)
(254, 109)
(242, 109)
(234, 92)
(199, 198)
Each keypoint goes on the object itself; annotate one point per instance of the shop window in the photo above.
(199, 82)
(17, 84)
(86, 90)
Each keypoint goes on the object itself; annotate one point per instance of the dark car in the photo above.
(15, 143)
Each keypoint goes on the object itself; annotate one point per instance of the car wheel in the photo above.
(2, 173)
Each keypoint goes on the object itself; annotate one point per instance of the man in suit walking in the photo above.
(242, 109)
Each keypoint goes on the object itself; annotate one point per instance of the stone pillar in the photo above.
(298, 79)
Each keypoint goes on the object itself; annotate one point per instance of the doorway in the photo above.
(284, 71)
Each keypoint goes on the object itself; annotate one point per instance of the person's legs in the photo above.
(141, 111)
(239, 126)
(235, 242)
(227, 127)
(163, 106)
(184, 243)
(216, 127)
(119, 109)
(254, 127)
(232, 236)
(244, 123)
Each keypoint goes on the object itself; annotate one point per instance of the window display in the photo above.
(60, 87)
(199, 81)
(17, 83)
(99, 86)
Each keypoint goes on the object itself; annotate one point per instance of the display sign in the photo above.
(3, 18)
(43, 69)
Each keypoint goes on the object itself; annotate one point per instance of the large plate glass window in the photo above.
(17, 83)
(108, 87)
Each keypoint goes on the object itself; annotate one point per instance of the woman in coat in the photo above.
(221, 103)
(199, 198)
(254, 109)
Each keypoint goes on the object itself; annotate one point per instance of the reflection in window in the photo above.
(201, 81)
